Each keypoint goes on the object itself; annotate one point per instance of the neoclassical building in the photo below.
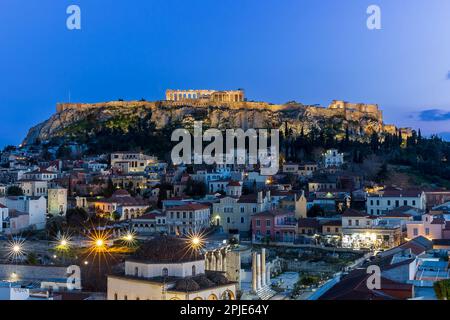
(166, 268)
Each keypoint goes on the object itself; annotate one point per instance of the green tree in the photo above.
(316, 211)
(442, 289)
(14, 191)
(195, 188)
(115, 216)
(77, 216)
(32, 259)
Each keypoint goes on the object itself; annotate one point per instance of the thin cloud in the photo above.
(434, 115)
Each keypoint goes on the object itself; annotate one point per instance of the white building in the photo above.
(129, 162)
(57, 201)
(40, 174)
(188, 218)
(33, 188)
(389, 199)
(36, 207)
(234, 212)
(3, 215)
(332, 158)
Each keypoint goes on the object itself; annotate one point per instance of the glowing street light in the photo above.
(99, 243)
(16, 249)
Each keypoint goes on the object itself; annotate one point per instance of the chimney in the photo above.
(260, 197)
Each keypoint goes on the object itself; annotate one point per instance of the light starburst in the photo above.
(129, 238)
(16, 249)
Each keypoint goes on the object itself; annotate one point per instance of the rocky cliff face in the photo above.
(70, 122)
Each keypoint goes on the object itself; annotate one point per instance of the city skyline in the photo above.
(294, 50)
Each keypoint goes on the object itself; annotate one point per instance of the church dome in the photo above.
(187, 285)
(167, 249)
(204, 282)
(218, 278)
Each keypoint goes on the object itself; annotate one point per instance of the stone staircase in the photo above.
(265, 293)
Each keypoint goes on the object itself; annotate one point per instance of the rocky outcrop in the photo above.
(73, 118)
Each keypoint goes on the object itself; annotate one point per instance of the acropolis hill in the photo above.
(235, 100)
(218, 109)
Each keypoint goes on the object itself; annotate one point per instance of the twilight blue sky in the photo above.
(311, 51)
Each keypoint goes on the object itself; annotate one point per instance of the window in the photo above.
(378, 202)
(405, 202)
(193, 271)
(350, 222)
(165, 272)
(267, 223)
(414, 202)
(416, 232)
(228, 220)
(328, 229)
(397, 203)
(258, 223)
(427, 231)
(136, 272)
(389, 202)
(125, 298)
(371, 202)
(242, 220)
(357, 222)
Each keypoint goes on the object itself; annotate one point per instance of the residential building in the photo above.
(131, 162)
(332, 158)
(234, 213)
(392, 198)
(57, 201)
(33, 188)
(361, 230)
(123, 203)
(35, 207)
(188, 218)
(274, 225)
(431, 227)
(40, 174)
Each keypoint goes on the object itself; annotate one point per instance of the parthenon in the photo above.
(208, 95)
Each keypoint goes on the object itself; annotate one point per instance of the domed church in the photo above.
(167, 268)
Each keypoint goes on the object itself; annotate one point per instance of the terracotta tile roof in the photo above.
(189, 207)
(308, 223)
(234, 184)
(354, 213)
(273, 213)
(354, 287)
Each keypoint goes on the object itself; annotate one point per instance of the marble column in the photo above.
(268, 276)
(258, 271)
(218, 261)
(224, 261)
(263, 267)
(254, 273)
(207, 265)
(213, 262)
